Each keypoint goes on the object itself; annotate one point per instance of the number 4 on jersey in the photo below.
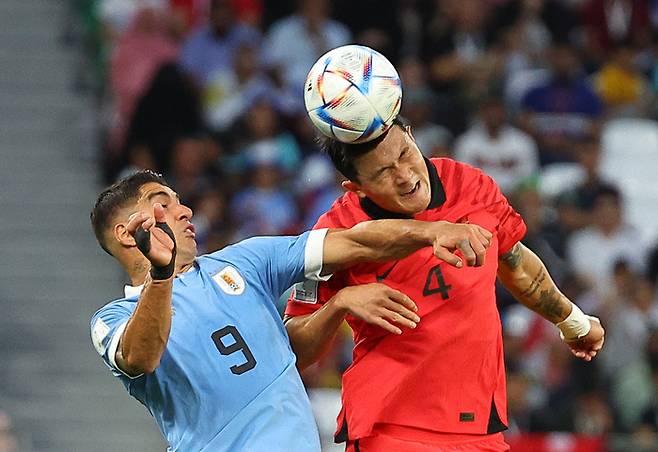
(436, 283)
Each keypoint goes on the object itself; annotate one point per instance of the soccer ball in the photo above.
(352, 94)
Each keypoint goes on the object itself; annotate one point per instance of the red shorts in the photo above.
(383, 442)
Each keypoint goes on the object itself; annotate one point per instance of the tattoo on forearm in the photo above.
(513, 257)
(550, 305)
(535, 284)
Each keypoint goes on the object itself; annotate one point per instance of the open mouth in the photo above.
(413, 191)
(191, 230)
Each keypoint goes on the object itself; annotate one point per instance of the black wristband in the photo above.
(143, 241)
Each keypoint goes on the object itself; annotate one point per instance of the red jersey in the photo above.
(446, 375)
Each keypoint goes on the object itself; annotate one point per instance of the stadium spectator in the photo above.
(140, 52)
(575, 203)
(633, 390)
(501, 150)
(622, 86)
(231, 92)
(634, 314)
(118, 15)
(562, 110)
(169, 110)
(609, 22)
(592, 251)
(264, 207)
(294, 43)
(212, 47)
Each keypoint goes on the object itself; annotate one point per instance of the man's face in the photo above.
(177, 215)
(394, 175)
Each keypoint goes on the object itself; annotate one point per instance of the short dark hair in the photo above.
(117, 196)
(343, 155)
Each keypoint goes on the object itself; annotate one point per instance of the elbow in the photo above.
(142, 363)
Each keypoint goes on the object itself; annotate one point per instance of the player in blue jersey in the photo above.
(198, 340)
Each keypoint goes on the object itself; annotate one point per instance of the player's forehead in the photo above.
(387, 151)
(150, 190)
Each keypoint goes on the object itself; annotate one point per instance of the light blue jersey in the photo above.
(227, 380)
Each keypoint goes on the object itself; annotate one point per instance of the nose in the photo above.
(185, 213)
(403, 175)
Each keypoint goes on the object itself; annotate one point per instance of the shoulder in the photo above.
(466, 184)
(449, 169)
(345, 212)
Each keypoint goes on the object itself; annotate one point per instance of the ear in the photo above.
(122, 236)
(348, 185)
(408, 130)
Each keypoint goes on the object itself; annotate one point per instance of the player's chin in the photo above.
(415, 202)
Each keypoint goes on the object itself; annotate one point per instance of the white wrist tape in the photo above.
(575, 326)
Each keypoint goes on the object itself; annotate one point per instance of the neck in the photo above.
(138, 271)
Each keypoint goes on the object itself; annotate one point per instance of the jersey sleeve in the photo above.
(107, 326)
(511, 227)
(308, 296)
(284, 261)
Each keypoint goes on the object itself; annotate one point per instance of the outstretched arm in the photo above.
(527, 278)
(384, 240)
(378, 304)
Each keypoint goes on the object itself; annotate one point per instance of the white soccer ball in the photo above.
(352, 94)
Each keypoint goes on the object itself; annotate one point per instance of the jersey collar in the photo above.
(437, 199)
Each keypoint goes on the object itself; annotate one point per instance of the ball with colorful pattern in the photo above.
(352, 94)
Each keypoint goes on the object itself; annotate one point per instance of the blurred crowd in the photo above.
(555, 99)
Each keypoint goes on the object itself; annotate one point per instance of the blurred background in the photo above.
(556, 99)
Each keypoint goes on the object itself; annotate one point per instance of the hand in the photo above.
(379, 305)
(589, 345)
(161, 249)
(471, 239)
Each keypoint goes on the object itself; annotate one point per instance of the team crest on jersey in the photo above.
(305, 292)
(230, 281)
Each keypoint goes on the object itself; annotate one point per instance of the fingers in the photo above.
(158, 213)
(483, 233)
(400, 298)
(403, 313)
(480, 252)
(136, 220)
(162, 237)
(465, 247)
(447, 256)
(380, 322)
(387, 308)
(398, 319)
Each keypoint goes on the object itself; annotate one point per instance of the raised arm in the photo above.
(378, 304)
(384, 240)
(145, 337)
(526, 277)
